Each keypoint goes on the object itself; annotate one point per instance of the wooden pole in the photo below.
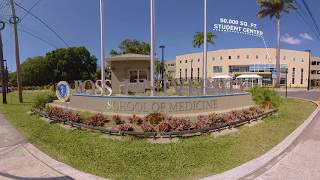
(3, 78)
(16, 42)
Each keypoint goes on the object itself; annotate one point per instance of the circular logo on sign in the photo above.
(63, 91)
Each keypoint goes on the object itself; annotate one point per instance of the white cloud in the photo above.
(306, 36)
(286, 38)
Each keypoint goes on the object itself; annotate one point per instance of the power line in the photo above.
(44, 23)
(303, 15)
(38, 37)
(311, 16)
(26, 14)
(35, 36)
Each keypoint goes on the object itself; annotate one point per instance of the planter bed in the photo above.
(182, 133)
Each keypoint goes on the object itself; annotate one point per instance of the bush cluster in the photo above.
(158, 122)
(266, 97)
(42, 99)
(96, 120)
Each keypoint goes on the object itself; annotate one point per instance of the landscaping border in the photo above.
(184, 133)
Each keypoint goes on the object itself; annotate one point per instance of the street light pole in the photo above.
(162, 61)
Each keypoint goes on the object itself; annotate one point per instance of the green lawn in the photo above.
(134, 158)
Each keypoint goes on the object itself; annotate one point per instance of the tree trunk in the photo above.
(277, 85)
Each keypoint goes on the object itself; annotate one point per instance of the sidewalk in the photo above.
(20, 160)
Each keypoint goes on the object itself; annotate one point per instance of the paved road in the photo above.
(301, 161)
(15, 160)
(312, 95)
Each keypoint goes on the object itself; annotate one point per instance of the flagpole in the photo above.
(102, 50)
(152, 48)
(205, 48)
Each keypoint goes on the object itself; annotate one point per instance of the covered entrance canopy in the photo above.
(249, 80)
(222, 80)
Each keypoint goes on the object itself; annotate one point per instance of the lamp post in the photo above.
(162, 61)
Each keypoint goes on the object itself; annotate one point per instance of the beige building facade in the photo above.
(171, 68)
(258, 61)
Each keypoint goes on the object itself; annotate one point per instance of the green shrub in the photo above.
(42, 99)
(265, 97)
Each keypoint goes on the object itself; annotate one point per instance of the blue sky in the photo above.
(77, 21)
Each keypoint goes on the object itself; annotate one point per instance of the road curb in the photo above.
(256, 164)
(59, 166)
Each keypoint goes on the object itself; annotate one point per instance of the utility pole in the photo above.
(4, 90)
(14, 21)
(309, 84)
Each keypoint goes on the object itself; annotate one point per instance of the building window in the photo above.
(284, 57)
(257, 57)
(248, 56)
(266, 57)
(221, 58)
(229, 57)
(301, 76)
(191, 73)
(186, 61)
(302, 60)
(293, 58)
(213, 59)
(198, 60)
(313, 72)
(186, 73)
(133, 76)
(313, 63)
(180, 62)
(217, 69)
(198, 73)
(293, 74)
(238, 57)
(180, 73)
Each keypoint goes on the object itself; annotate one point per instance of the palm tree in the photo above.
(274, 8)
(160, 67)
(198, 39)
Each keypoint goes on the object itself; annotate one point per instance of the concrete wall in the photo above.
(181, 106)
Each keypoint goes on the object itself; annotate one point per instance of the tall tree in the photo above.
(134, 46)
(35, 72)
(274, 8)
(198, 39)
(70, 64)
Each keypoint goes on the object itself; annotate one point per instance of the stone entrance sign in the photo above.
(172, 105)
